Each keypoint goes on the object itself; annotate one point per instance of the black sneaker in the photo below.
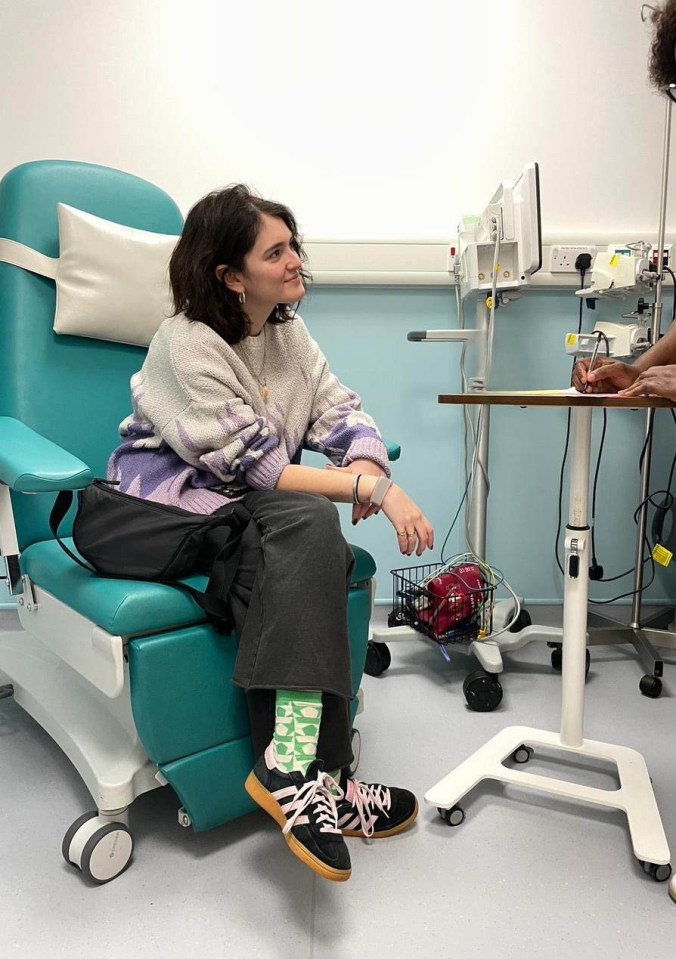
(305, 808)
(373, 811)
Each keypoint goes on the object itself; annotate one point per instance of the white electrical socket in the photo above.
(562, 258)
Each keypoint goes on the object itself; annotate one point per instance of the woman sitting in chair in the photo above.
(232, 389)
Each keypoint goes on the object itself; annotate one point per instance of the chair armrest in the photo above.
(30, 463)
(393, 450)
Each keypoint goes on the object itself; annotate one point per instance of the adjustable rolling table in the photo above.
(635, 795)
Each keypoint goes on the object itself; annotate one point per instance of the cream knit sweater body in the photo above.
(201, 432)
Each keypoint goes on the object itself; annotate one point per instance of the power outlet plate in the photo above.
(667, 255)
(562, 258)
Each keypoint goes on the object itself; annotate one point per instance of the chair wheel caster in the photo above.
(522, 755)
(101, 849)
(658, 873)
(557, 660)
(483, 691)
(378, 658)
(452, 817)
(356, 751)
(522, 620)
(650, 686)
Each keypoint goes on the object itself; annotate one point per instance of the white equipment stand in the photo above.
(488, 651)
(635, 795)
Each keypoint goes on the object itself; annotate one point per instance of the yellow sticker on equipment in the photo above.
(662, 555)
(614, 260)
(571, 339)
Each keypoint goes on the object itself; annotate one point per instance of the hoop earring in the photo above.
(242, 298)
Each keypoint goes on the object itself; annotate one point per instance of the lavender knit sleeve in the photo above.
(230, 441)
(340, 428)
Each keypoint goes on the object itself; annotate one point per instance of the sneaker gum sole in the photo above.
(384, 833)
(267, 801)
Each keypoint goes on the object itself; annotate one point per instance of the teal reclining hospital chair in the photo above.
(127, 677)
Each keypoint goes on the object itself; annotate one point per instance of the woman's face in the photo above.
(271, 272)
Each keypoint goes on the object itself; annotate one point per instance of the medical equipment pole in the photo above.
(657, 317)
(478, 499)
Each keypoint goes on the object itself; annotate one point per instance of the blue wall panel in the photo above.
(363, 333)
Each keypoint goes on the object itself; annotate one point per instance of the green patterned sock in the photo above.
(335, 786)
(297, 718)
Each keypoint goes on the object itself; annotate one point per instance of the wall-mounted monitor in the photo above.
(514, 217)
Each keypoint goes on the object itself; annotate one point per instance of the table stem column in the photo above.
(576, 583)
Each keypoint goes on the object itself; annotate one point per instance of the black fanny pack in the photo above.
(125, 537)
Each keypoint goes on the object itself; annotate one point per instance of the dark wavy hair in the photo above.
(662, 64)
(221, 228)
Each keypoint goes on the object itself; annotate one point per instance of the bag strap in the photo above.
(213, 600)
(223, 571)
(61, 506)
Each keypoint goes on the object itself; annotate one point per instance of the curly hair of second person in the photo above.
(662, 63)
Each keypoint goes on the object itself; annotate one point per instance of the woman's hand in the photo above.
(656, 381)
(366, 468)
(608, 376)
(414, 532)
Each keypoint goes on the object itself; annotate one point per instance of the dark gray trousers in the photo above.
(289, 601)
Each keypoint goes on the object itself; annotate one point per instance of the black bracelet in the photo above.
(356, 489)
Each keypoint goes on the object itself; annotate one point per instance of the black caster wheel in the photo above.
(378, 659)
(452, 817)
(557, 660)
(522, 754)
(658, 873)
(650, 686)
(483, 692)
(522, 620)
(397, 618)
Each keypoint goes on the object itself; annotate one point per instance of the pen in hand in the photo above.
(592, 361)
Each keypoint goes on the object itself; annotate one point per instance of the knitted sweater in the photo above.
(201, 433)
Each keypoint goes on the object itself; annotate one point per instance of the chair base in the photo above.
(96, 733)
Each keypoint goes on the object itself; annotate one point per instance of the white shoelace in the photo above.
(319, 791)
(365, 796)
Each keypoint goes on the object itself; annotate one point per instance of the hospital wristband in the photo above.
(379, 492)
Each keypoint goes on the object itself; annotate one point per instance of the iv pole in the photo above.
(656, 326)
(604, 630)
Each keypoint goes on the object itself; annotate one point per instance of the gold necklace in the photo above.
(260, 377)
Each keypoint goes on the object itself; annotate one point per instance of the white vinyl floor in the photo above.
(524, 876)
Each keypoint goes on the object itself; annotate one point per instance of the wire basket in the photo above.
(448, 602)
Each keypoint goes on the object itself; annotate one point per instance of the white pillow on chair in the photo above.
(112, 281)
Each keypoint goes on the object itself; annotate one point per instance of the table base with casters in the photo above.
(635, 795)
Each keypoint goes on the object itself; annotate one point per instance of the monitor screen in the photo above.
(516, 208)
(526, 197)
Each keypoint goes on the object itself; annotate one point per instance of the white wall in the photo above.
(371, 119)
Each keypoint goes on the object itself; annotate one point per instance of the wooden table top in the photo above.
(535, 398)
